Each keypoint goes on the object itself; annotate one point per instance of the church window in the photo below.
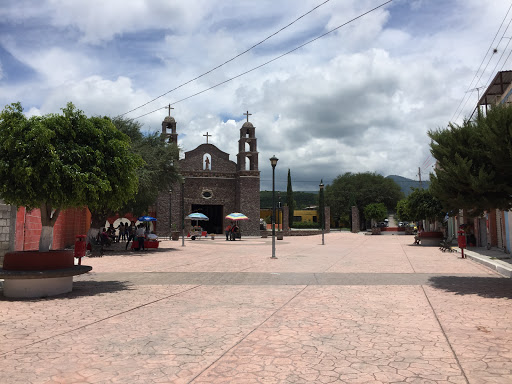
(207, 194)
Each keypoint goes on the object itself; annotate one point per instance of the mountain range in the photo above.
(408, 184)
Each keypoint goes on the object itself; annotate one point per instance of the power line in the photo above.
(227, 61)
(478, 70)
(270, 61)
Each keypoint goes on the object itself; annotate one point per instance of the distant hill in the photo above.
(407, 184)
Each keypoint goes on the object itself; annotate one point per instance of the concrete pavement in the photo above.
(361, 309)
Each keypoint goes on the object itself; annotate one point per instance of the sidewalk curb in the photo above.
(484, 260)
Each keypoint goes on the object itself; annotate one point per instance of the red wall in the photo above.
(71, 222)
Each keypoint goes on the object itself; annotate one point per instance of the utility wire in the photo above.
(270, 61)
(227, 61)
(478, 70)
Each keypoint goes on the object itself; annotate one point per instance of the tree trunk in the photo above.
(48, 219)
(97, 222)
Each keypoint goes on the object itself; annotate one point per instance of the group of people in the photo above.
(232, 231)
(128, 232)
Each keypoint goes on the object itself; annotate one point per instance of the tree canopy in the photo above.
(422, 204)
(474, 163)
(376, 211)
(360, 189)
(402, 210)
(160, 167)
(64, 160)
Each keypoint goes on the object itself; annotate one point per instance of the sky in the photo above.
(360, 99)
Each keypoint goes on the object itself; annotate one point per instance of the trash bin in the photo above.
(80, 246)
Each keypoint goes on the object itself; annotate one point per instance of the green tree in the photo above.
(321, 206)
(402, 210)
(160, 169)
(375, 211)
(423, 204)
(60, 161)
(360, 189)
(289, 200)
(474, 163)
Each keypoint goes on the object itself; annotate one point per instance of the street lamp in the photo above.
(182, 212)
(273, 163)
(322, 209)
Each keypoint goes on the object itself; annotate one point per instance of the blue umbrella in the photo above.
(146, 218)
(197, 216)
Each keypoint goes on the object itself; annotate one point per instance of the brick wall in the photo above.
(71, 222)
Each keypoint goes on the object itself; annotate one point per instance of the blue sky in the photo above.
(360, 99)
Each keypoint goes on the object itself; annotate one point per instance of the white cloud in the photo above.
(360, 99)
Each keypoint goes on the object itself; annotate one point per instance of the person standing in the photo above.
(121, 228)
(131, 234)
(141, 236)
(228, 231)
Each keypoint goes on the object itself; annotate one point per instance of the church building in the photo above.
(213, 185)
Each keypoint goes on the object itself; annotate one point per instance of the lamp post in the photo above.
(183, 212)
(273, 163)
(322, 209)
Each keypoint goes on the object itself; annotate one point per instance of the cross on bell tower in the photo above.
(248, 114)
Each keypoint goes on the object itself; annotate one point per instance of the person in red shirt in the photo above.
(228, 231)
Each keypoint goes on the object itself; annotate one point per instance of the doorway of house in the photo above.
(214, 213)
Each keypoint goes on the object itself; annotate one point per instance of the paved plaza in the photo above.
(360, 309)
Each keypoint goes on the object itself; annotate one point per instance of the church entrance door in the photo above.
(214, 213)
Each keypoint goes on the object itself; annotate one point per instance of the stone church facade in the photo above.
(213, 185)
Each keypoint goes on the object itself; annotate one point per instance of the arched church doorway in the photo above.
(216, 215)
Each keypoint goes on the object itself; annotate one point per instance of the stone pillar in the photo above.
(327, 217)
(163, 214)
(286, 227)
(355, 220)
(7, 229)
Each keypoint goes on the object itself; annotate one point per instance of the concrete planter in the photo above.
(33, 274)
(431, 239)
(175, 235)
(376, 231)
(279, 235)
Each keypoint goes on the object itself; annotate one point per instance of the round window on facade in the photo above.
(207, 194)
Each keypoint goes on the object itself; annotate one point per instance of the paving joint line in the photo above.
(246, 336)
(345, 255)
(407, 257)
(98, 321)
(445, 335)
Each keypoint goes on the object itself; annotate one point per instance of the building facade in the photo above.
(213, 185)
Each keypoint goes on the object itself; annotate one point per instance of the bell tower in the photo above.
(247, 158)
(248, 177)
(169, 123)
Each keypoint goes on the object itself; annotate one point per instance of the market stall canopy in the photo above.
(236, 216)
(146, 218)
(197, 216)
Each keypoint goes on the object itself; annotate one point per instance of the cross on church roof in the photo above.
(169, 107)
(248, 114)
(207, 135)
